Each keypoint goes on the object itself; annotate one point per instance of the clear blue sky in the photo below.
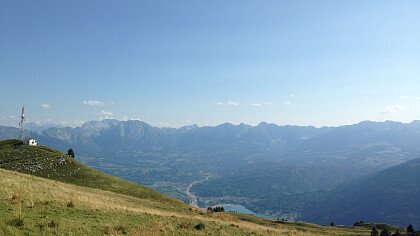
(175, 63)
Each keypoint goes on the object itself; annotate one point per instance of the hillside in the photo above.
(390, 196)
(45, 162)
(72, 199)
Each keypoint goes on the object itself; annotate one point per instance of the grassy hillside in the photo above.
(72, 199)
(37, 206)
(45, 162)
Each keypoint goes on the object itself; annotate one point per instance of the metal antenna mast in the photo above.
(21, 123)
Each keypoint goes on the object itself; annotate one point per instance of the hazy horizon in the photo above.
(81, 123)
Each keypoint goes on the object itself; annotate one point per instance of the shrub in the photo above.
(18, 222)
(52, 224)
(385, 232)
(200, 226)
(358, 223)
(115, 230)
(410, 229)
(70, 153)
(120, 229)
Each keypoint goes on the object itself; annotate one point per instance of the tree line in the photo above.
(216, 209)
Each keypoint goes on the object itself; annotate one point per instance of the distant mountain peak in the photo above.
(263, 123)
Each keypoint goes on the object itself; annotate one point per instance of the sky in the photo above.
(177, 63)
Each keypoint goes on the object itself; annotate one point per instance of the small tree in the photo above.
(358, 223)
(374, 231)
(332, 224)
(70, 153)
(385, 232)
(410, 229)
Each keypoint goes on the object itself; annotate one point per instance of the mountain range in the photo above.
(279, 171)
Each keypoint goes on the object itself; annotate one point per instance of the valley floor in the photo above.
(191, 195)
